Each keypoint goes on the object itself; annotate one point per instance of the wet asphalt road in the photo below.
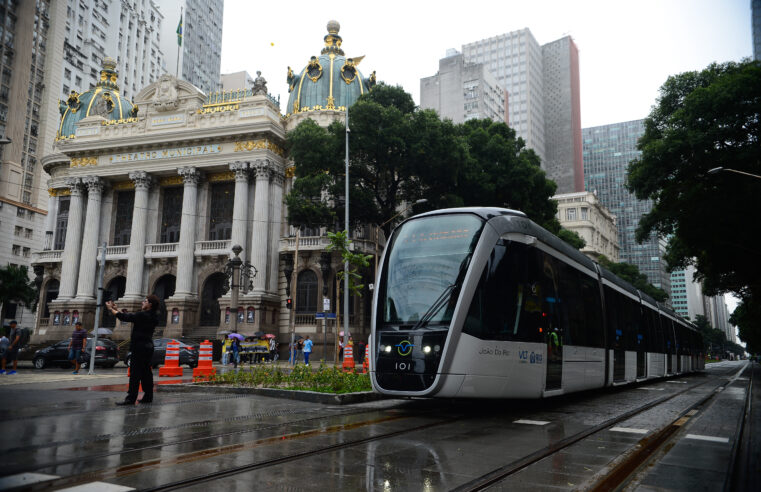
(60, 425)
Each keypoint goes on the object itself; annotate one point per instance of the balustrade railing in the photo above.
(112, 251)
(51, 255)
(213, 247)
(161, 249)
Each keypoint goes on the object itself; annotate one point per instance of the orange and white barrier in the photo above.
(204, 368)
(171, 365)
(366, 362)
(348, 365)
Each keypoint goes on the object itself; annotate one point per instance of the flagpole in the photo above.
(179, 45)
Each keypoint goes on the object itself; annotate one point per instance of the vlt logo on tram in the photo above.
(404, 348)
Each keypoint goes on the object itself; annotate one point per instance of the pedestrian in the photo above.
(141, 346)
(235, 347)
(226, 351)
(307, 350)
(11, 353)
(299, 350)
(273, 350)
(77, 345)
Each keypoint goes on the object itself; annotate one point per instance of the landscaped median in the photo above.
(319, 385)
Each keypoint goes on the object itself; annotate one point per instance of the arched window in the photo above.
(164, 289)
(125, 203)
(306, 292)
(171, 214)
(51, 294)
(114, 290)
(210, 294)
(61, 222)
(221, 211)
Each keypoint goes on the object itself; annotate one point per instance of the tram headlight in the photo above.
(427, 349)
(436, 348)
(387, 349)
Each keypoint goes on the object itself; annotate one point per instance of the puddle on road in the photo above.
(124, 386)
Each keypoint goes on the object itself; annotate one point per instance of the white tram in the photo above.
(484, 303)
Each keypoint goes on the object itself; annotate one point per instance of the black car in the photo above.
(188, 352)
(106, 354)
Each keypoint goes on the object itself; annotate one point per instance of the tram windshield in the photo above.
(427, 261)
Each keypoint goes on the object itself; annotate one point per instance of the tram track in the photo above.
(616, 477)
(189, 425)
(125, 470)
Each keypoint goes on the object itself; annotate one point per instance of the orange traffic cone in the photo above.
(366, 362)
(348, 365)
(204, 368)
(171, 365)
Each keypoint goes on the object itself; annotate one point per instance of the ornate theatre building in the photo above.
(168, 183)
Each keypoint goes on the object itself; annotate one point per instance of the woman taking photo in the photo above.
(141, 346)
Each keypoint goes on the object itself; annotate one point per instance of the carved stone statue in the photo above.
(166, 97)
(260, 85)
(101, 107)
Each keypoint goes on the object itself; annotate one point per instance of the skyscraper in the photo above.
(200, 50)
(128, 31)
(24, 62)
(461, 91)
(542, 84)
(755, 12)
(608, 149)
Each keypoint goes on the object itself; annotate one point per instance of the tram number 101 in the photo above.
(403, 366)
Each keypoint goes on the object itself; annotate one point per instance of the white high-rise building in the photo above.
(461, 91)
(200, 55)
(127, 30)
(543, 98)
(689, 301)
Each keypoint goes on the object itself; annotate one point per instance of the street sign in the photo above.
(319, 315)
(330, 315)
(326, 304)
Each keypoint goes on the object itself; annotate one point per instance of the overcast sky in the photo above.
(627, 49)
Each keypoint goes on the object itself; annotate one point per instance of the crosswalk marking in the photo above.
(531, 422)
(24, 479)
(629, 430)
(707, 438)
(98, 487)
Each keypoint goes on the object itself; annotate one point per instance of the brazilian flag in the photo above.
(179, 32)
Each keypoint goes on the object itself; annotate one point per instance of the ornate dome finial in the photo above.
(332, 39)
(109, 63)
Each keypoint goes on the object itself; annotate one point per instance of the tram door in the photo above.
(669, 345)
(640, 356)
(554, 361)
(619, 358)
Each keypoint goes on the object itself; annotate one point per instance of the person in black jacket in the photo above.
(141, 346)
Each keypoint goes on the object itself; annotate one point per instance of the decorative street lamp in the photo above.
(237, 271)
(717, 170)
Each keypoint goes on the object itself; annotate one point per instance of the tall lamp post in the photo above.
(346, 227)
(717, 170)
(237, 271)
(378, 228)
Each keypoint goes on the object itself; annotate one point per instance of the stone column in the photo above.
(259, 237)
(70, 257)
(277, 228)
(240, 206)
(89, 257)
(50, 222)
(190, 177)
(136, 251)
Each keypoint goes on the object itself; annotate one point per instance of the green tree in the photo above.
(704, 120)
(340, 242)
(392, 146)
(746, 317)
(15, 287)
(571, 237)
(502, 172)
(631, 274)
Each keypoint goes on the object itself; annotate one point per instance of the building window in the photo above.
(570, 214)
(61, 222)
(221, 212)
(16, 250)
(20, 212)
(26, 252)
(584, 213)
(17, 231)
(171, 215)
(306, 292)
(28, 233)
(125, 203)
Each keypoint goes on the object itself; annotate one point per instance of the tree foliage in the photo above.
(340, 242)
(705, 120)
(16, 287)
(746, 317)
(631, 274)
(400, 154)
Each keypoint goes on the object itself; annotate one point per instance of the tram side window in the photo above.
(613, 309)
(579, 306)
(515, 298)
(668, 335)
(590, 295)
(657, 343)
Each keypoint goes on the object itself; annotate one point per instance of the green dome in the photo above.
(328, 82)
(102, 100)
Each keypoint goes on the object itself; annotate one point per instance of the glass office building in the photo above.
(608, 149)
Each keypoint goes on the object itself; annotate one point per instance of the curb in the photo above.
(308, 396)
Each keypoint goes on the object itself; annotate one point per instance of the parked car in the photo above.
(188, 352)
(106, 354)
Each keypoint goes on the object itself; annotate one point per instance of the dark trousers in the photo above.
(140, 373)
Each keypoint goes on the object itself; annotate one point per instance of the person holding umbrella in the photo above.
(235, 347)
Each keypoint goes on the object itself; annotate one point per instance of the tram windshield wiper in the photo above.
(439, 303)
